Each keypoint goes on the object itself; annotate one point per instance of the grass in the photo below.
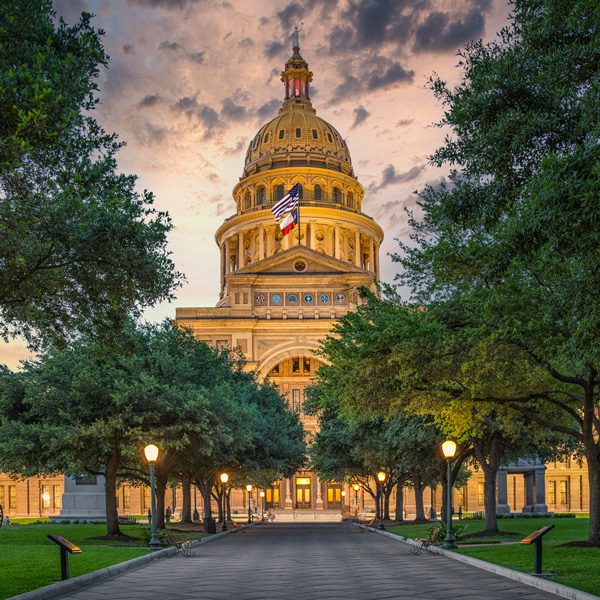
(576, 567)
(29, 560)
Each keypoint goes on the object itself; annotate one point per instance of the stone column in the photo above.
(528, 481)
(371, 255)
(223, 263)
(502, 492)
(312, 239)
(357, 249)
(377, 260)
(227, 258)
(319, 501)
(261, 242)
(240, 250)
(288, 495)
(270, 241)
(540, 489)
(336, 242)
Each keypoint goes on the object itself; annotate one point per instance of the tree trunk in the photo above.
(420, 507)
(399, 502)
(218, 497)
(160, 488)
(110, 489)
(205, 493)
(186, 503)
(228, 501)
(490, 471)
(386, 501)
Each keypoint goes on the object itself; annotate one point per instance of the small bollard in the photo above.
(66, 548)
(535, 538)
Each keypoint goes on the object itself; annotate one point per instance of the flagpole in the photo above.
(299, 230)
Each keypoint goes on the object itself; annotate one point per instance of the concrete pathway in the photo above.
(326, 561)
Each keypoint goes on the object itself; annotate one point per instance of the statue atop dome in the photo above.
(294, 36)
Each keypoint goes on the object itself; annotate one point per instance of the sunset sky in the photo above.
(191, 81)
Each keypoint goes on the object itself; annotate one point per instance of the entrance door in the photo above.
(272, 497)
(302, 492)
(334, 495)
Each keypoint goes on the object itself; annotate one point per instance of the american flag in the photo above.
(287, 203)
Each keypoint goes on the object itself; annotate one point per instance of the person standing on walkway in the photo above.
(168, 515)
(149, 516)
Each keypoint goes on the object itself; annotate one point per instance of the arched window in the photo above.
(298, 132)
(279, 193)
(246, 200)
(315, 134)
(281, 133)
(300, 191)
(317, 192)
(262, 195)
(336, 195)
(350, 200)
(266, 137)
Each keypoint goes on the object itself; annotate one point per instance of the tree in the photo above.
(80, 249)
(510, 243)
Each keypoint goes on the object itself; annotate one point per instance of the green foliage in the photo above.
(80, 248)
(457, 528)
(146, 536)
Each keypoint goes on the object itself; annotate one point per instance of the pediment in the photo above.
(288, 261)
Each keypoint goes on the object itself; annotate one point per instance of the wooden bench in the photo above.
(426, 543)
(182, 547)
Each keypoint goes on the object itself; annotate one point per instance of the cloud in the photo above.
(169, 46)
(390, 177)
(206, 115)
(239, 146)
(438, 32)
(360, 115)
(197, 57)
(388, 75)
(292, 12)
(272, 49)
(187, 105)
(404, 122)
(268, 110)
(232, 111)
(128, 49)
(164, 4)
(149, 101)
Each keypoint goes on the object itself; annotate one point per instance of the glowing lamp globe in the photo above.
(224, 478)
(356, 487)
(249, 487)
(381, 476)
(449, 449)
(151, 452)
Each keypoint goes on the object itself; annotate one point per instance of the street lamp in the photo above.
(224, 480)
(249, 490)
(356, 488)
(262, 506)
(151, 452)
(381, 478)
(343, 500)
(449, 450)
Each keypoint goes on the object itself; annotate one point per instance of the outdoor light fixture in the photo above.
(151, 452)
(381, 478)
(449, 450)
(249, 490)
(262, 506)
(224, 480)
(356, 488)
(343, 500)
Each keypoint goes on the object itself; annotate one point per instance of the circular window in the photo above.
(292, 298)
(320, 236)
(308, 298)
(276, 299)
(340, 298)
(324, 298)
(300, 266)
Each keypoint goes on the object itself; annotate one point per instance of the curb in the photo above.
(558, 589)
(71, 585)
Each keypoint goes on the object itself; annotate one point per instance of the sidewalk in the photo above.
(307, 562)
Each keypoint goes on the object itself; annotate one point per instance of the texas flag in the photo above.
(289, 222)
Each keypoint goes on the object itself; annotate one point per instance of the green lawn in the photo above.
(575, 567)
(29, 560)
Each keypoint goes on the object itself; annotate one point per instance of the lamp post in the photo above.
(151, 452)
(343, 500)
(249, 490)
(196, 515)
(356, 487)
(224, 480)
(449, 450)
(262, 507)
(381, 478)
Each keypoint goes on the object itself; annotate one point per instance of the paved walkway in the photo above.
(307, 562)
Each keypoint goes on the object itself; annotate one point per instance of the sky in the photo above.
(190, 82)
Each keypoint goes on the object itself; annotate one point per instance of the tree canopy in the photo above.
(81, 250)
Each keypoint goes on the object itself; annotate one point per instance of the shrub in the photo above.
(146, 536)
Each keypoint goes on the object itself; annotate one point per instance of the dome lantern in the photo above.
(296, 79)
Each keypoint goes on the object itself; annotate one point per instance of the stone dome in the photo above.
(297, 137)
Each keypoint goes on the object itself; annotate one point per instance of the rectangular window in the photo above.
(563, 492)
(338, 495)
(268, 496)
(45, 496)
(117, 497)
(295, 365)
(222, 344)
(246, 295)
(296, 401)
(276, 495)
(237, 298)
(461, 497)
(12, 496)
(480, 495)
(126, 496)
(307, 365)
(147, 503)
(329, 494)
(57, 496)
(552, 492)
